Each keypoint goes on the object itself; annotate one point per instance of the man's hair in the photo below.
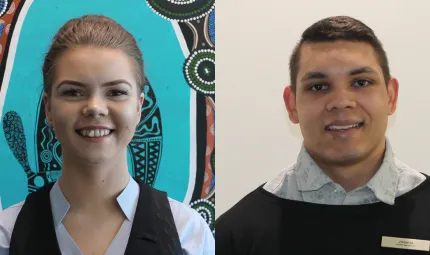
(338, 28)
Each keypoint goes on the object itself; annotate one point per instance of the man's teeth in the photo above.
(95, 132)
(343, 127)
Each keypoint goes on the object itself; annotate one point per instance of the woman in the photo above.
(93, 94)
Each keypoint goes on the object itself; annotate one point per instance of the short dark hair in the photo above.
(338, 28)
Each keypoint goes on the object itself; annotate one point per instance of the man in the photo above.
(347, 193)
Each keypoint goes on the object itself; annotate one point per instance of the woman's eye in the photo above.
(117, 93)
(72, 93)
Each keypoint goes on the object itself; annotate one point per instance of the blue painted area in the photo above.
(163, 60)
(213, 182)
(1, 29)
(211, 26)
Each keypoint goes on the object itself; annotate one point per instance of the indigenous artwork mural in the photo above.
(173, 148)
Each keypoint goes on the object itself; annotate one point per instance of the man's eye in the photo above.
(318, 87)
(362, 83)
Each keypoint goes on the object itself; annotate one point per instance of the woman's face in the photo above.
(95, 103)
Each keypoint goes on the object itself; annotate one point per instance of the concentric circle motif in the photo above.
(206, 209)
(46, 156)
(199, 70)
(181, 10)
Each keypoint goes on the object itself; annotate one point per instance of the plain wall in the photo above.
(254, 138)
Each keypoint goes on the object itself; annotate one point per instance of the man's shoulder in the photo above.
(409, 178)
(246, 222)
(282, 182)
(252, 208)
(263, 200)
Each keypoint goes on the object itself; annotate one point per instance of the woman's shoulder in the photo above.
(8, 216)
(7, 222)
(183, 213)
(194, 232)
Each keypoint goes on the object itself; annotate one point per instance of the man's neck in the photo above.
(357, 174)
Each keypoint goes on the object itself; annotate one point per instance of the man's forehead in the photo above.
(337, 44)
(338, 56)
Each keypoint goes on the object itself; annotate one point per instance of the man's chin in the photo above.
(347, 156)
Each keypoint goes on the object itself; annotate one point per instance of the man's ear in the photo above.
(393, 93)
(290, 104)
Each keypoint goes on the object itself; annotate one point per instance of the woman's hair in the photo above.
(91, 30)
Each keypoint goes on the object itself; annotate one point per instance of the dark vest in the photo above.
(153, 230)
(264, 224)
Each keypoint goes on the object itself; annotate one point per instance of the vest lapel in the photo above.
(154, 231)
(143, 236)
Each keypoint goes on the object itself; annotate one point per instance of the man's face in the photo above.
(341, 102)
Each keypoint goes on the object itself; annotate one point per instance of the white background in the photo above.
(254, 138)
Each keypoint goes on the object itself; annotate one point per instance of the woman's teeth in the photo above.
(95, 132)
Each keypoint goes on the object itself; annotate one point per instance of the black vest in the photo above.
(264, 224)
(153, 230)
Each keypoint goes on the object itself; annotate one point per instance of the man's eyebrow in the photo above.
(321, 75)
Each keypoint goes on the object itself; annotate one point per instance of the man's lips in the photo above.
(339, 126)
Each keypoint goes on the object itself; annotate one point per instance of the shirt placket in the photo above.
(338, 195)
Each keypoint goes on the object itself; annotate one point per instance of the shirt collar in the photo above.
(383, 184)
(309, 175)
(127, 201)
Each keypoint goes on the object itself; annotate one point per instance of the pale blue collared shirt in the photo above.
(305, 181)
(194, 233)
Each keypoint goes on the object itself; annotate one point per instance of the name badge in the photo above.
(404, 243)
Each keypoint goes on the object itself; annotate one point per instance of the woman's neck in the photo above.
(93, 187)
